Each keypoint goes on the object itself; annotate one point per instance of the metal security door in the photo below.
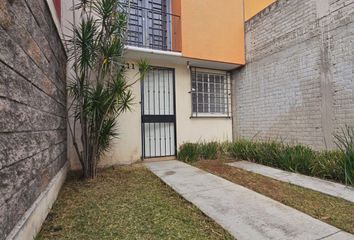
(158, 113)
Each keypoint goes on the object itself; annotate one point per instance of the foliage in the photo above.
(345, 142)
(189, 152)
(243, 149)
(330, 165)
(209, 150)
(99, 90)
(296, 158)
(192, 152)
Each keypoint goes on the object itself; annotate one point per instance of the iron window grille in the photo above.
(210, 92)
(151, 24)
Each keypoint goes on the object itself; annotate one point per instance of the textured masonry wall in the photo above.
(298, 81)
(32, 106)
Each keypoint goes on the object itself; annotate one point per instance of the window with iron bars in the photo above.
(211, 93)
(151, 24)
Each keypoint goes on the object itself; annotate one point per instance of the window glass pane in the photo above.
(211, 79)
(199, 77)
(205, 77)
(206, 98)
(206, 108)
(200, 97)
(200, 87)
(200, 108)
(205, 87)
(212, 108)
(217, 79)
(210, 92)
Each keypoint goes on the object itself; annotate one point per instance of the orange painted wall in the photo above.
(213, 30)
(176, 26)
(252, 7)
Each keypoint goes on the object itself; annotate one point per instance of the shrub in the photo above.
(269, 153)
(332, 165)
(224, 150)
(328, 165)
(296, 158)
(209, 150)
(188, 152)
(243, 149)
(191, 152)
(345, 142)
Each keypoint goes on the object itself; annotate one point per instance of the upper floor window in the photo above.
(152, 24)
(211, 93)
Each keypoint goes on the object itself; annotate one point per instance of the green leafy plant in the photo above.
(189, 152)
(328, 165)
(345, 142)
(209, 150)
(243, 149)
(99, 90)
(296, 158)
(269, 153)
(225, 150)
(331, 165)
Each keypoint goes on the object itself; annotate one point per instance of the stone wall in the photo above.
(298, 81)
(32, 106)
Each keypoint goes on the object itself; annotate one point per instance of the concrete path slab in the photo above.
(244, 213)
(319, 185)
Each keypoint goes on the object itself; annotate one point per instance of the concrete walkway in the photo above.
(244, 213)
(319, 185)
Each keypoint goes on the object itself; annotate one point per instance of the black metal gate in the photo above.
(158, 116)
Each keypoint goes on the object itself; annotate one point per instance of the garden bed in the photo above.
(125, 203)
(334, 211)
(332, 165)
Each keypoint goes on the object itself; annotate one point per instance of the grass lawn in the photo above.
(125, 203)
(335, 211)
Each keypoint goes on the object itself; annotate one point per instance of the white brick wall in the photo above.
(298, 82)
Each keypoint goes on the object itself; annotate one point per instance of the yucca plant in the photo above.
(345, 142)
(99, 90)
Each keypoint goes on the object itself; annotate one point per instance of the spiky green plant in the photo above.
(209, 150)
(345, 142)
(189, 152)
(99, 90)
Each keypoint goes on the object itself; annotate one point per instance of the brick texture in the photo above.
(32, 106)
(298, 82)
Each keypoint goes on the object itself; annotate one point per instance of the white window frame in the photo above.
(224, 94)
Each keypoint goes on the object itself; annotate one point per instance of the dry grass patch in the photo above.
(334, 211)
(125, 203)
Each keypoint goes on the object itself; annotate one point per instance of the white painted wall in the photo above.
(196, 129)
(127, 149)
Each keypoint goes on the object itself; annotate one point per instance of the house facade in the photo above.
(186, 97)
(192, 47)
